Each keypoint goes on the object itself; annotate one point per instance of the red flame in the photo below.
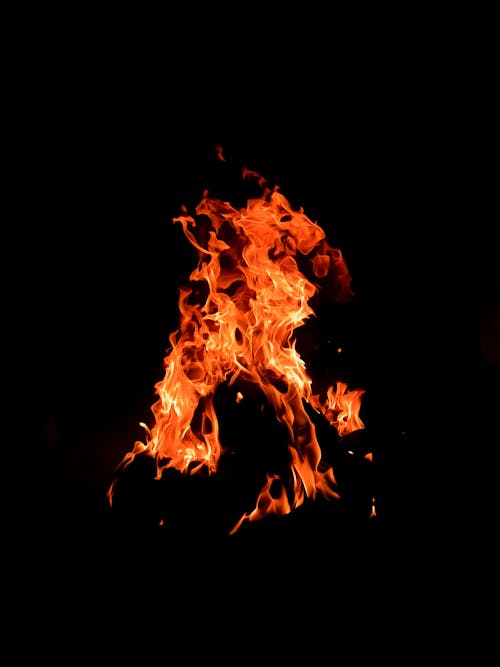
(247, 296)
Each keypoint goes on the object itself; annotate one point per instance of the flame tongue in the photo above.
(258, 268)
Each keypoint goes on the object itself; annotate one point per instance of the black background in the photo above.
(384, 152)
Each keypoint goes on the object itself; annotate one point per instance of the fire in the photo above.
(258, 268)
(341, 408)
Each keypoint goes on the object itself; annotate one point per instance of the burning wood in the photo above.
(235, 350)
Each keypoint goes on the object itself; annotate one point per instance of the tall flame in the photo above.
(258, 268)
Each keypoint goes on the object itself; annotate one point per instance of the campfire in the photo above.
(237, 407)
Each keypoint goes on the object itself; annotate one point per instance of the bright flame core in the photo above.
(247, 296)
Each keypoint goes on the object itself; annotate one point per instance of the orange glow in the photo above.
(258, 268)
(341, 408)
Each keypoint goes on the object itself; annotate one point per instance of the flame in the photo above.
(258, 268)
(341, 408)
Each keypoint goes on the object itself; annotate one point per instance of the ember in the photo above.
(235, 351)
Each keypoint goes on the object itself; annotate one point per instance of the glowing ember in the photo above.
(258, 268)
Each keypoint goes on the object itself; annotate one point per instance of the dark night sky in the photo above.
(384, 157)
(381, 131)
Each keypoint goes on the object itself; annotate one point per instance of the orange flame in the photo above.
(341, 408)
(247, 295)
